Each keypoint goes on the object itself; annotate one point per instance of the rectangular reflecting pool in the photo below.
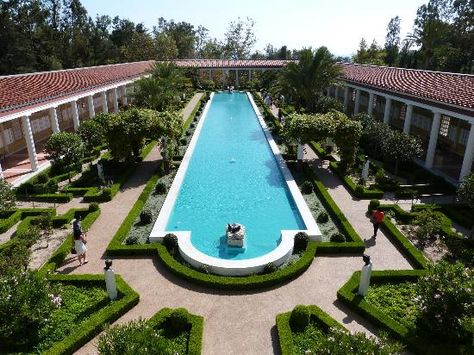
(233, 177)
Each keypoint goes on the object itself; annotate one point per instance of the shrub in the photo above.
(25, 306)
(299, 318)
(135, 337)
(307, 187)
(338, 238)
(178, 320)
(339, 342)
(269, 268)
(171, 242)
(301, 242)
(160, 188)
(42, 178)
(107, 194)
(446, 299)
(146, 217)
(131, 240)
(385, 182)
(7, 196)
(93, 207)
(192, 125)
(373, 204)
(188, 133)
(429, 225)
(322, 217)
(183, 141)
(205, 269)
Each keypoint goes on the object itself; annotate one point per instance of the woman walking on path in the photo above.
(79, 242)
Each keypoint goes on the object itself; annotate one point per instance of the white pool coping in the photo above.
(224, 266)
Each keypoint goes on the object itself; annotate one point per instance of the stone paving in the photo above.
(236, 322)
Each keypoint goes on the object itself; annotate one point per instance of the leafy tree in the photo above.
(446, 301)
(339, 342)
(162, 89)
(183, 34)
(141, 47)
(392, 41)
(327, 104)
(165, 47)
(306, 80)
(239, 39)
(126, 132)
(401, 147)
(167, 128)
(92, 132)
(25, 306)
(369, 55)
(7, 196)
(65, 149)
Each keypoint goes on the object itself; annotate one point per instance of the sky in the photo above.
(336, 24)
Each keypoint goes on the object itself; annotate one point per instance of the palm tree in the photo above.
(306, 80)
(161, 90)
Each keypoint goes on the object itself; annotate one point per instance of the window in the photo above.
(463, 136)
(444, 128)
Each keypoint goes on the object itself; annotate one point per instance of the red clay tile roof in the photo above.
(448, 88)
(225, 63)
(17, 91)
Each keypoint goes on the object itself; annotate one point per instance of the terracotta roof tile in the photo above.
(448, 88)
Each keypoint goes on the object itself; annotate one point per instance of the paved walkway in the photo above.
(236, 322)
(191, 105)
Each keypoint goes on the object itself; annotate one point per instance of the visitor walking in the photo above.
(376, 219)
(79, 241)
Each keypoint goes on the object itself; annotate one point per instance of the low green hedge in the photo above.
(14, 216)
(88, 218)
(58, 198)
(285, 336)
(355, 243)
(415, 256)
(356, 190)
(195, 322)
(348, 295)
(95, 323)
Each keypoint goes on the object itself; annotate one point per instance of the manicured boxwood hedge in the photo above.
(348, 295)
(359, 192)
(204, 98)
(58, 198)
(355, 243)
(9, 218)
(94, 325)
(285, 336)
(195, 322)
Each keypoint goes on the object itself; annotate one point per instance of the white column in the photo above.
(370, 108)
(237, 78)
(468, 155)
(104, 102)
(408, 114)
(75, 115)
(336, 89)
(357, 102)
(90, 103)
(328, 91)
(346, 98)
(30, 142)
(430, 153)
(124, 96)
(250, 74)
(1, 171)
(115, 99)
(388, 110)
(53, 117)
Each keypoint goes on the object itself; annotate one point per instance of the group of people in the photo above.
(79, 241)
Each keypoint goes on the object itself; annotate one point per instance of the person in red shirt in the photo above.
(377, 218)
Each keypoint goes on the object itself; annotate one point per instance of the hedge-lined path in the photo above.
(191, 105)
(381, 250)
(238, 322)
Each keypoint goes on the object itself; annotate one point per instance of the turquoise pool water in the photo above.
(233, 177)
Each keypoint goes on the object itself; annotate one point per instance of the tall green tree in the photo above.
(372, 54)
(392, 41)
(183, 34)
(65, 149)
(161, 90)
(305, 81)
(239, 39)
